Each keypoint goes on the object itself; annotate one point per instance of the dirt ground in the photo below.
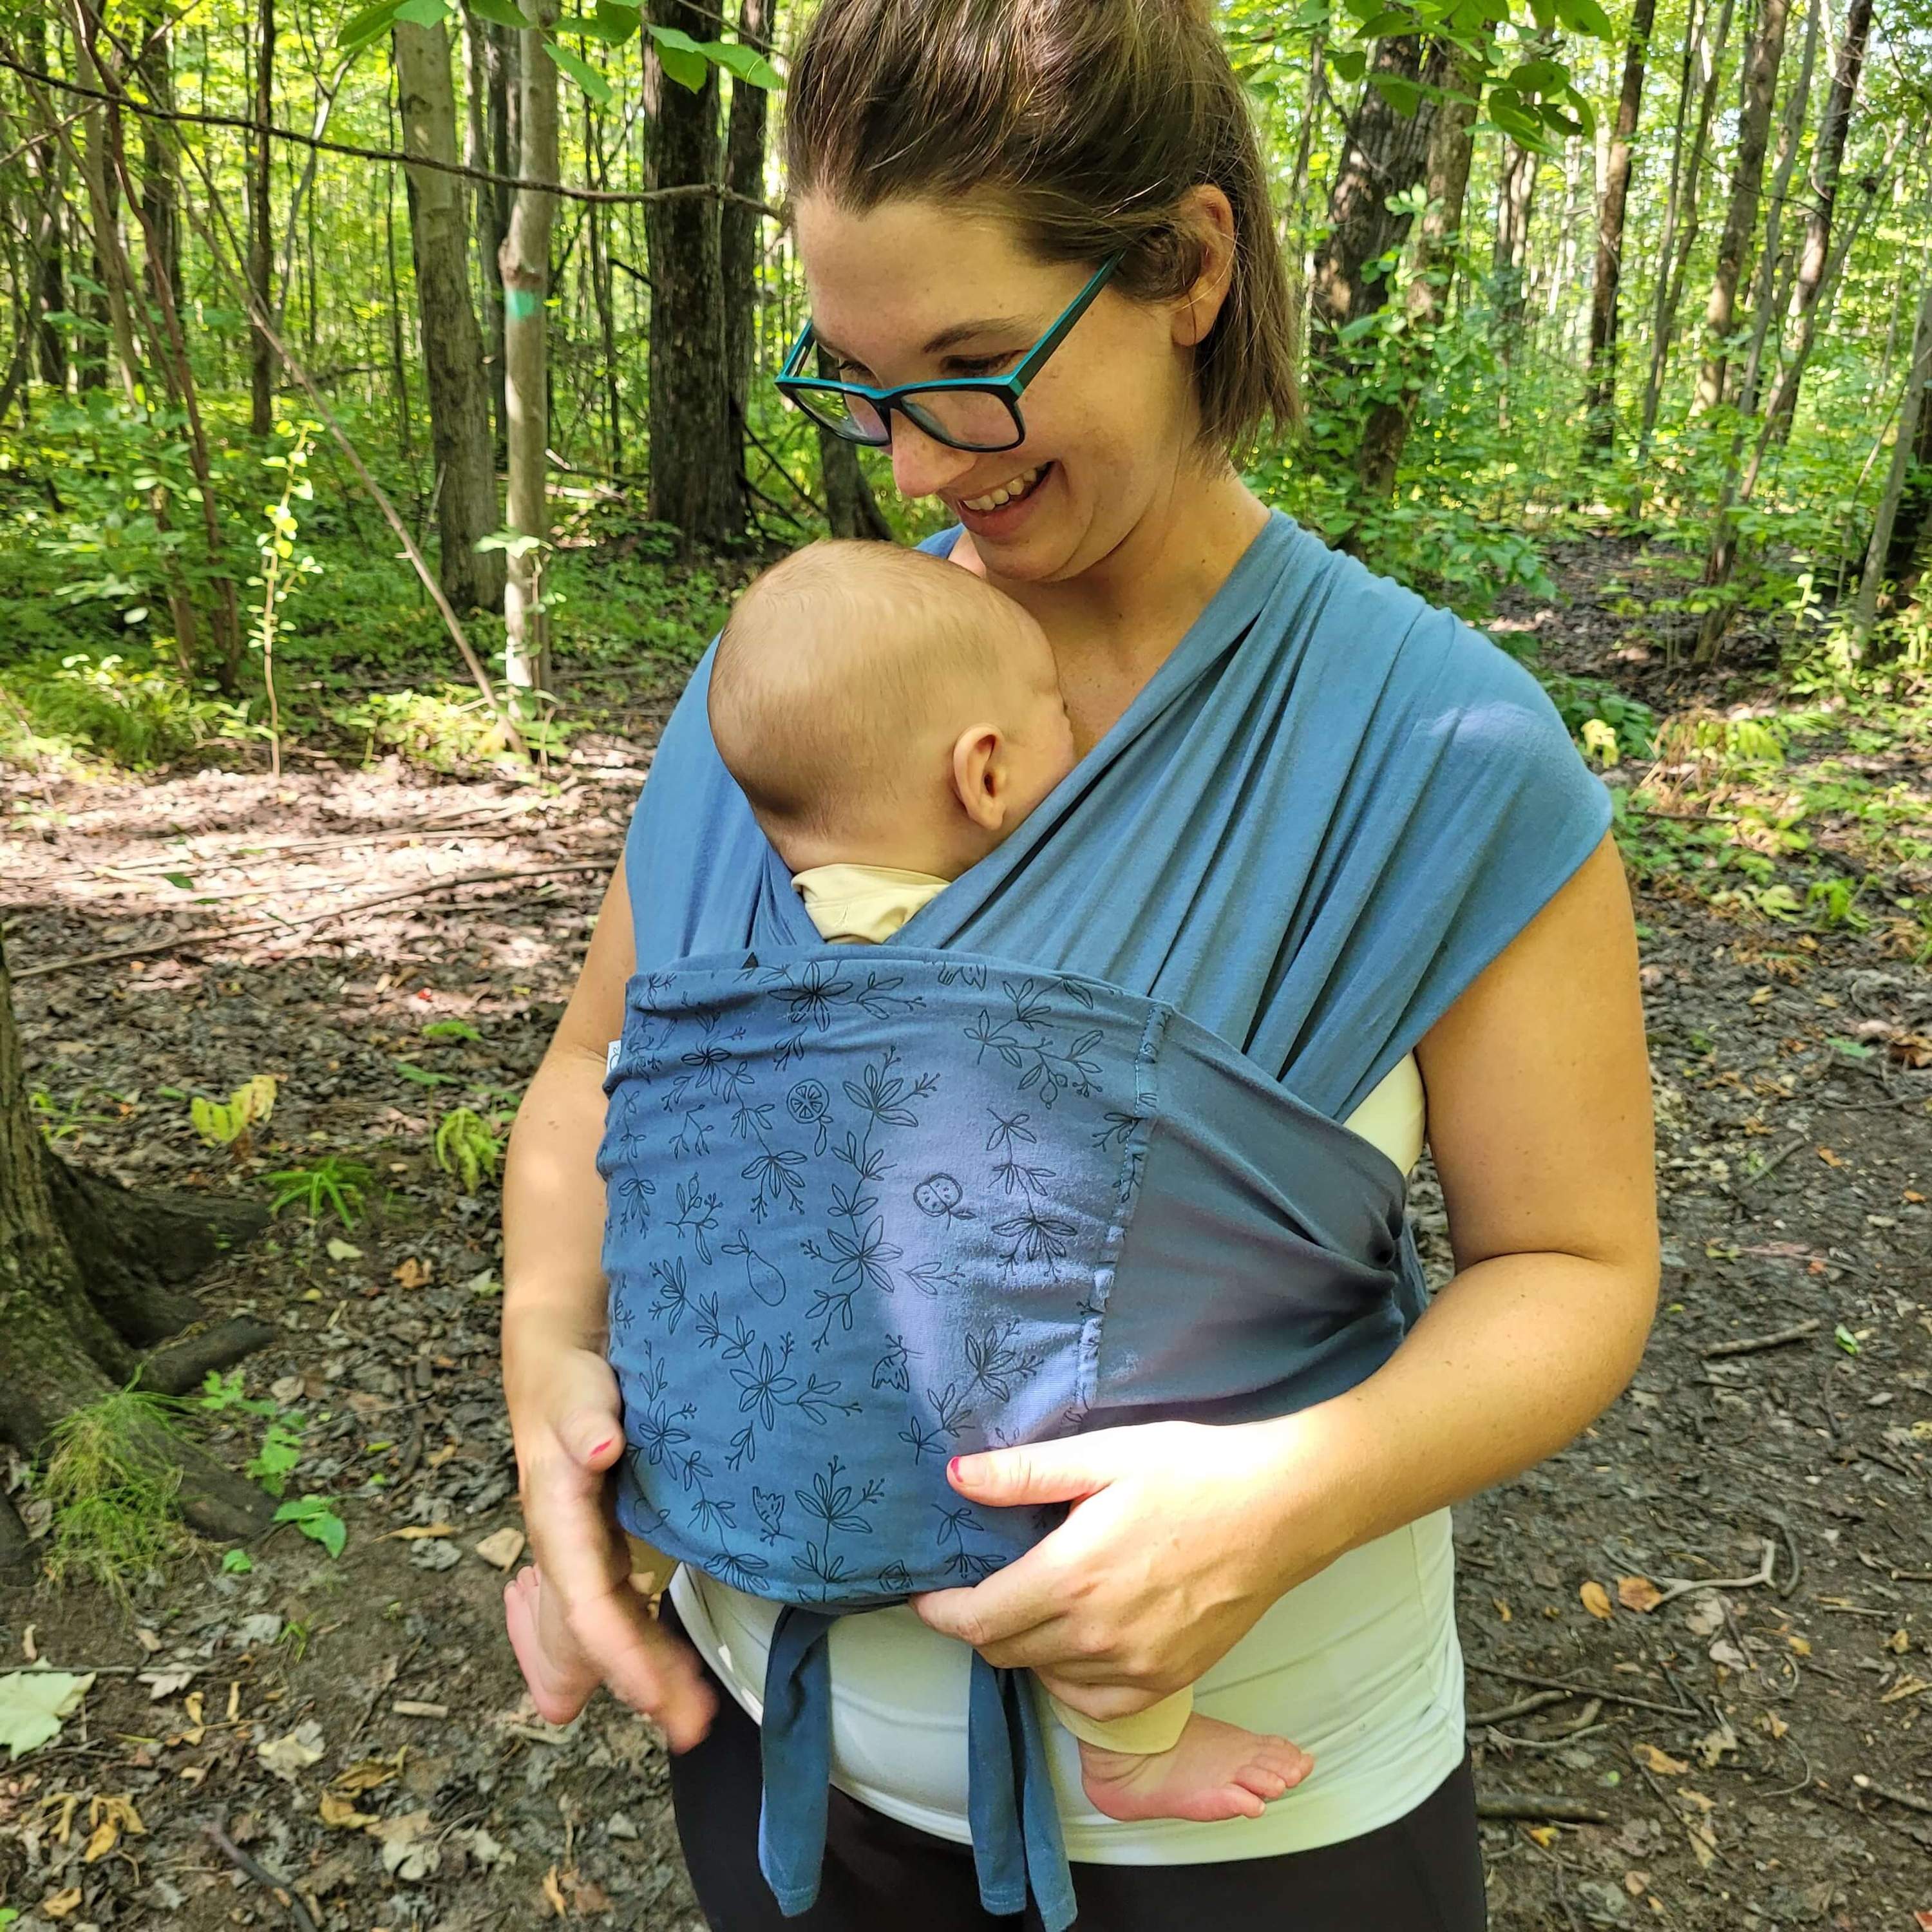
(1725, 1588)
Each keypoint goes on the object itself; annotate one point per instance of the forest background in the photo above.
(385, 424)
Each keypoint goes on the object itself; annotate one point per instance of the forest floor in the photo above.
(1757, 1745)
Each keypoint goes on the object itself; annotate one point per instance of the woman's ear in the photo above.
(1207, 210)
(978, 775)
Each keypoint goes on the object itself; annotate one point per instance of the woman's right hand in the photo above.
(566, 1419)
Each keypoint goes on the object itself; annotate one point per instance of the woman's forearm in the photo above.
(554, 1208)
(1512, 1360)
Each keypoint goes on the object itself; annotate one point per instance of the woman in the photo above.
(961, 170)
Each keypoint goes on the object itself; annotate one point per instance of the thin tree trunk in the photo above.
(1759, 88)
(738, 227)
(1446, 176)
(1295, 208)
(695, 459)
(1670, 272)
(110, 258)
(603, 296)
(1600, 404)
(161, 176)
(43, 165)
(458, 388)
(261, 358)
(524, 263)
(1827, 161)
(1864, 613)
(1383, 156)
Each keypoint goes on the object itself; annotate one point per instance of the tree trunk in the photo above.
(524, 263)
(160, 174)
(261, 358)
(1827, 158)
(1516, 192)
(82, 1292)
(1865, 614)
(488, 51)
(850, 510)
(1601, 404)
(1446, 174)
(1383, 157)
(738, 227)
(42, 163)
(96, 171)
(694, 449)
(459, 394)
(1759, 88)
(1671, 270)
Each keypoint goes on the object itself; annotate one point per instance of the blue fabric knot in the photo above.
(1017, 1846)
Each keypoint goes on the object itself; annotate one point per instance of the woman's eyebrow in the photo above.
(946, 338)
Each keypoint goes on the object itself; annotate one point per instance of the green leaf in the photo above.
(498, 13)
(424, 13)
(580, 70)
(450, 1029)
(423, 1077)
(589, 27)
(33, 1703)
(618, 21)
(369, 24)
(1585, 17)
(681, 57)
(1845, 1340)
(745, 64)
(1350, 63)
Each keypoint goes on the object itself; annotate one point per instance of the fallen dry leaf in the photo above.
(62, 1903)
(405, 1855)
(1773, 1724)
(412, 1532)
(1596, 1598)
(413, 1273)
(1545, 1835)
(1830, 1159)
(286, 1755)
(341, 1812)
(1899, 1643)
(1905, 1687)
(501, 1547)
(554, 1893)
(1661, 1761)
(1636, 1883)
(1638, 1593)
(1801, 1645)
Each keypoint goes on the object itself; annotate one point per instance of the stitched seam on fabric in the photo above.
(1126, 1197)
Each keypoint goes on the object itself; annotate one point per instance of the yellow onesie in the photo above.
(863, 904)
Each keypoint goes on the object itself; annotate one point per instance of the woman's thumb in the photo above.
(1039, 1472)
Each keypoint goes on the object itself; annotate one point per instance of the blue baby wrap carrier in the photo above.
(1063, 1154)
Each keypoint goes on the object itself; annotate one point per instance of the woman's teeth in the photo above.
(1016, 486)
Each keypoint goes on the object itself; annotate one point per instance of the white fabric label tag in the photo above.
(611, 1055)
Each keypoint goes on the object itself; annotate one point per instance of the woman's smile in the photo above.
(999, 512)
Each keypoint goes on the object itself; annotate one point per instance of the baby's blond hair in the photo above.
(843, 665)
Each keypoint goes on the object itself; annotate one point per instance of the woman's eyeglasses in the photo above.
(969, 412)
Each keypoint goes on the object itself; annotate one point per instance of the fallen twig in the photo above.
(1682, 1586)
(1579, 1690)
(1563, 1810)
(282, 1890)
(1749, 1345)
(1911, 1576)
(183, 942)
(1521, 1707)
(1886, 1791)
(1784, 1153)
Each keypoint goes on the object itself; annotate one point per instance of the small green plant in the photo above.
(112, 1480)
(315, 1516)
(332, 1182)
(282, 570)
(228, 1122)
(450, 1029)
(468, 1146)
(63, 1122)
(274, 1462)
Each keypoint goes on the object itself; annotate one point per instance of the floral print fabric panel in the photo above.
(863, 1214)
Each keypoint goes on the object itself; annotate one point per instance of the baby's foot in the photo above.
(560, 1677)
(1215, 1771)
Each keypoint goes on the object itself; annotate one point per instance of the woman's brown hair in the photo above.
(1087, 121)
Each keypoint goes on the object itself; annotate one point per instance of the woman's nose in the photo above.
(922, 467)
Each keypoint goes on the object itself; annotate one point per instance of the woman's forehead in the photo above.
(915, 277)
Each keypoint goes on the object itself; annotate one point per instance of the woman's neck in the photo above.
(1113, 625)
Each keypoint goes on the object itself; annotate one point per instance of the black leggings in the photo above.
(1422, 1873)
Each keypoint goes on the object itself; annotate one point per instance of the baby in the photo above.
(890, 718)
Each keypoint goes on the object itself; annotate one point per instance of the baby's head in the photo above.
(882, 707)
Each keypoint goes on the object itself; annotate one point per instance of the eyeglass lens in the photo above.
(967, 418)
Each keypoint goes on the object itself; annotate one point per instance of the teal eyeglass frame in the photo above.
(796, 388)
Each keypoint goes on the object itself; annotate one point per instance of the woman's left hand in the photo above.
(1182, 1536)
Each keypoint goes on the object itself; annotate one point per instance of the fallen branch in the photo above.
(1519, 1707)
(1890, 1796)
(1750, 1344)
(1579, 1689)
(183, 942)
(1682, 1586)
(283, 1893)
(1563, 1810)
(1777, 1160)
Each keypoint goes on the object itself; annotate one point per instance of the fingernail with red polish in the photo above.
(952, 1468)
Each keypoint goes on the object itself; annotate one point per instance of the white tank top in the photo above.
(1360, 1666)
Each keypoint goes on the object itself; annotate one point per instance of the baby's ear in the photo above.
(978, 777)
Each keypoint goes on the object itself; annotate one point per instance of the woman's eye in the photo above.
(978, 365)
